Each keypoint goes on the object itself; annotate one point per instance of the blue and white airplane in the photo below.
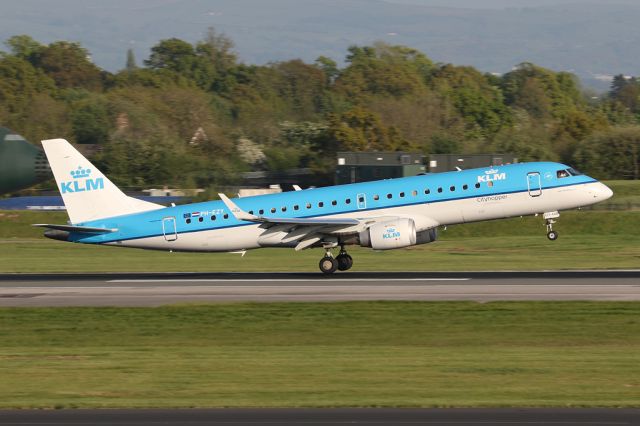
(383, 215)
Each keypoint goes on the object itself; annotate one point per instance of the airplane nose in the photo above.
(602, 192)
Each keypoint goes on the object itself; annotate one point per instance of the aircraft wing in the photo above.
(307, 232)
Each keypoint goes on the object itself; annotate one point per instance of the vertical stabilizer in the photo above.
(86, 192)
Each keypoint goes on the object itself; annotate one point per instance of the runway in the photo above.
(156, 289)
(325, 417)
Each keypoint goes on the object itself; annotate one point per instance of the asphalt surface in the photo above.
(322, 417)
(155, 289)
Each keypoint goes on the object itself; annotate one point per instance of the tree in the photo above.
(218, 48)
(131, 61)
(91, 121)
(541, 92)
(180, 57)
(611, 154)
(69, 66)
(479, 103)
(329, 67)
(172, 54)
(383, 70)
(362, 130)
(626, 91)
(24, 47)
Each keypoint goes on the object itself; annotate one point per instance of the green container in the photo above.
(21, 164)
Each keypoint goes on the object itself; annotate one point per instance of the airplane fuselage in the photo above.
(427, 200)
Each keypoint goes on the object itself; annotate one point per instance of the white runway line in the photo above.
(276, 280)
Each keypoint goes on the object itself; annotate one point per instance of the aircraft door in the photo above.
(169, 228)
(362, 201)
(534, 184)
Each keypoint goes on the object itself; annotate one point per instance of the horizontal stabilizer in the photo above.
(81, 229)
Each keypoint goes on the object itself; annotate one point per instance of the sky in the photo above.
(500, 4)
(592, 38)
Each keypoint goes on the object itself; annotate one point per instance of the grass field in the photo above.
(626, 196)
(323, 354)
(587, 240)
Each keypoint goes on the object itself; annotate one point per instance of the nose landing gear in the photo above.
(342, 262)
(548, 217)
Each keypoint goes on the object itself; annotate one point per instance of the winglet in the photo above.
(236, 211)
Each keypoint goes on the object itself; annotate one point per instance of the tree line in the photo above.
(193, 115)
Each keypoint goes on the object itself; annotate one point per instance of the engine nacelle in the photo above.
(389, 235)
(396, 234)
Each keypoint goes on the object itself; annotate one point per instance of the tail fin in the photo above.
(86, 192)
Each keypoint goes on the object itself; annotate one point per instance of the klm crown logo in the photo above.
(81, 182)
(80, 173)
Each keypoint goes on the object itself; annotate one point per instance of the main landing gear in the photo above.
(342, 262)
(548, 217)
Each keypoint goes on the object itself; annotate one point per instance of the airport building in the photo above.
(446, 162)
(356, 167)
(353, 167)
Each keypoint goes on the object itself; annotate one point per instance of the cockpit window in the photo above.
(562, 174)
(574, 172)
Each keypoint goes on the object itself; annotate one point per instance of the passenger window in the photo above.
(376, 197)
(226, 216)
(361, 200)
(478, 185)
(213, 217)
(200, 219)
(348, 201)
(261, 212)
(465, 187)
(490, 184)
(284, 209)
(308, 205)
(414, 193)
(389, 196)
(439, 189)
(562, 174)
(334, 203)
(188, 221)
(273, 209)
(452, 188)
(320, 204)
(427, 191)
(402, 195)
(296, 207)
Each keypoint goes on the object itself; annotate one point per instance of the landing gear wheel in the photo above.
(552, 235)
(328, 265)
(345, 262)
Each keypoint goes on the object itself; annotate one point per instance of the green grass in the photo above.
(406, 354)
(587, 240)
(626, 196)
(460, 254)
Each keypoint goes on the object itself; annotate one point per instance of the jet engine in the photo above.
(395, 234)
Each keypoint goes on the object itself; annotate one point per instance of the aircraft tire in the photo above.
(345, 262)
(328, 265)
(552, 235)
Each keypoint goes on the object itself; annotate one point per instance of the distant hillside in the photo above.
(587, 39)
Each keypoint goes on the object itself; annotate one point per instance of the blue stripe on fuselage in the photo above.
(149, 224)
